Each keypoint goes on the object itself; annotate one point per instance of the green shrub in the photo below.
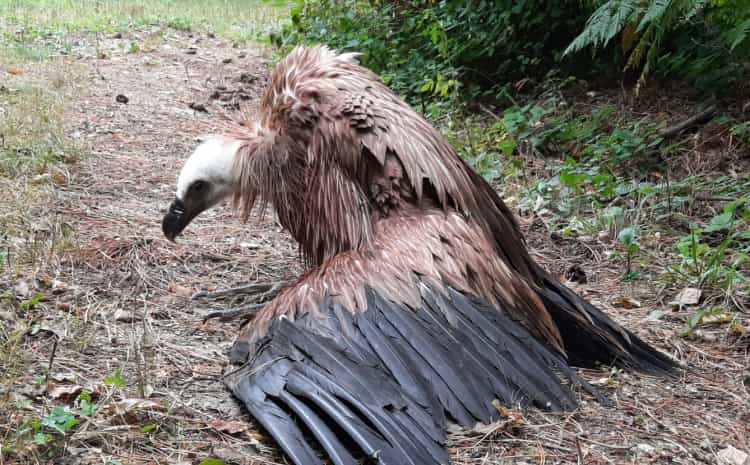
(427, 50)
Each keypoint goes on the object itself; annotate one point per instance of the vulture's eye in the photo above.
(199, 186)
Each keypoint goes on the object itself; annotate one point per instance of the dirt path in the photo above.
(130, 283)
(122, 297)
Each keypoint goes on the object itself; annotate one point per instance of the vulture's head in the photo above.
(207, 178)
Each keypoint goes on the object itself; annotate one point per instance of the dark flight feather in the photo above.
(393, 409)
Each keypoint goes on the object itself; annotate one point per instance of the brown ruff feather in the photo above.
(337, 153)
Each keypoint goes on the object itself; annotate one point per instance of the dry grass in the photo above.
(116, 298)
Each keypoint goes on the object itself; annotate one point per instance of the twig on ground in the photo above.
(693, 120)
(578, 450)
(51, 360)
(244, 312)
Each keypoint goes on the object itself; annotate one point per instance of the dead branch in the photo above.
(698, 118)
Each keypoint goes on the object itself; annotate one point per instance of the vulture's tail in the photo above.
(591, 337)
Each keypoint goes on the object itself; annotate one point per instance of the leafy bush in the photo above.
(720, 265)
(426, 50)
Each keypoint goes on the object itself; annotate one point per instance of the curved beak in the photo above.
(177, 218)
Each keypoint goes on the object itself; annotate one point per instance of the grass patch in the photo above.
(31, 23)
(34, 152)
(31, 133)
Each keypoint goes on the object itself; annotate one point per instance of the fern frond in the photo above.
(654, 12)
(605, 23)
(738, 34)
(654, 20)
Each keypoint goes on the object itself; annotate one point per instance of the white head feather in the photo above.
(213, 162)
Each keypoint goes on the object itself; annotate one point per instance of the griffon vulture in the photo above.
(421, 304)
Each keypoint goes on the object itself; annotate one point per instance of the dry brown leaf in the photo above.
(97, 390)
(687, 296)
(732, 456)
(58, 178)
(721, 318)
(626, 302)
(126, 316)
(15, 71)
(181, 291)
(229, 426)
(629, 36)
(132, 411)
(63, 391)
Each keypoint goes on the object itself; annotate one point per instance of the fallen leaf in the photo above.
(96, 390)
(58, 178)
(732, 456)
(126, 316)
(704, 336)
(717, 319)
(233, 456)
(22, 289)
(645, 448)
(656, 315)
(181, 291)
(626, 302)
(687, 296)
(64, 391)
(229, 426)
(132, 411)
(15, 71)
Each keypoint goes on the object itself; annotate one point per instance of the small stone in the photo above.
(121, 99)
(732, 456)
(191, 51)
(22, 289)
(576, 274)
(125, 316)
(645, 448)
(117, 35)
(226, 60)
(198, 107)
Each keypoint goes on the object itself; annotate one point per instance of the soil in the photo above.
(122, 298)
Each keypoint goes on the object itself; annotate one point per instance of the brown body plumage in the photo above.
(420, 300)
(351, 167)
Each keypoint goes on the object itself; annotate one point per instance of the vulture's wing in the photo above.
(381, 383)
(370, 354)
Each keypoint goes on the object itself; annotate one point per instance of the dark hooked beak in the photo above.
(176, 219)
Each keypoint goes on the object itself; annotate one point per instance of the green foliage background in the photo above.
(427, 50)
